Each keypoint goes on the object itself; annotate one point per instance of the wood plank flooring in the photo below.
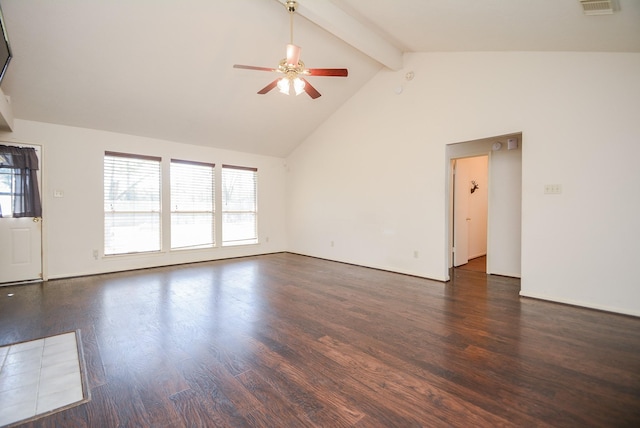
(478, 264)
(285, 340)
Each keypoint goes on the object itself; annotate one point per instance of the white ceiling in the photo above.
(163, 68)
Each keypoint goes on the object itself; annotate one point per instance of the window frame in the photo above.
(173, 211)
(245, 241)
(155, 212)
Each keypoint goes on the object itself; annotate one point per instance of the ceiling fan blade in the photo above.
(251, 67)
(339, 72)
(313, 92)
(269, 87)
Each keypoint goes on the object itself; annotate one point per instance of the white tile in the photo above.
(24, 395)
(12, 414)
(24, 346)
(63, 341)
(59, 399)
(21, 365)
(59, 383)
(59, 358)
(50, 371)
(26, 354)
(60, 351)
(66, 338)
(56, 348)
(8, 383)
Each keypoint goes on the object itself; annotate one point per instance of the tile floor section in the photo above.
(38, 377)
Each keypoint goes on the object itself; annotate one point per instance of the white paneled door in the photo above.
(20, 249)
(20, 239)
(460, 215)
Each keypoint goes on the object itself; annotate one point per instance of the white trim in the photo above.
(579, 304)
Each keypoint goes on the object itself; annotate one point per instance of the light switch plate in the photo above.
(552, 189)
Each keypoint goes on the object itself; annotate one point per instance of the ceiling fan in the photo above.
(293, 68)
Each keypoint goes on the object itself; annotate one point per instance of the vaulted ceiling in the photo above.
(163, 68)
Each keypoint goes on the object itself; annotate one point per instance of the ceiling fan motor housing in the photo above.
(293, 55)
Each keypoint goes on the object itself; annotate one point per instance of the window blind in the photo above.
(131, 203)
(239, 205)
(192, 204)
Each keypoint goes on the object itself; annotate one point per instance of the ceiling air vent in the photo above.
(597, 7)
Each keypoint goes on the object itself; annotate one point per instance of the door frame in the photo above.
(467, 149)
(43, 222)
(455, 168)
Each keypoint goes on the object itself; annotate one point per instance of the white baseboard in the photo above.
(581, 304)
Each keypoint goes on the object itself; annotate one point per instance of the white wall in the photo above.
(373, 178)
(73, 225)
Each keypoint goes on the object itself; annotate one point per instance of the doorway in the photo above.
(504, 196)
(20, 233)
(470, 205)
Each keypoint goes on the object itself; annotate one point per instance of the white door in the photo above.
(460, 216)
(20, 249)
(20, 243)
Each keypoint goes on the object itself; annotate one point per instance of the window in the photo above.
(19, 194)
(239, 207)
(7, 191)
(192, 204)
(131, 203)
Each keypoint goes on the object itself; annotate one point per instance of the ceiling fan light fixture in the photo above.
(283, 85)
(298, 85)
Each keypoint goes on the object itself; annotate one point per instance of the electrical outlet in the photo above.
(415, 254)
(95, 254)
(332, 243)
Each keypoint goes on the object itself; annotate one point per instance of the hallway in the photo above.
(479, 264)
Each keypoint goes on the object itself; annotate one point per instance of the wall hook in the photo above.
(474, 186)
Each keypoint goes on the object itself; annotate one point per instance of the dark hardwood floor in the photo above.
(478, 264)
(290, 341)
